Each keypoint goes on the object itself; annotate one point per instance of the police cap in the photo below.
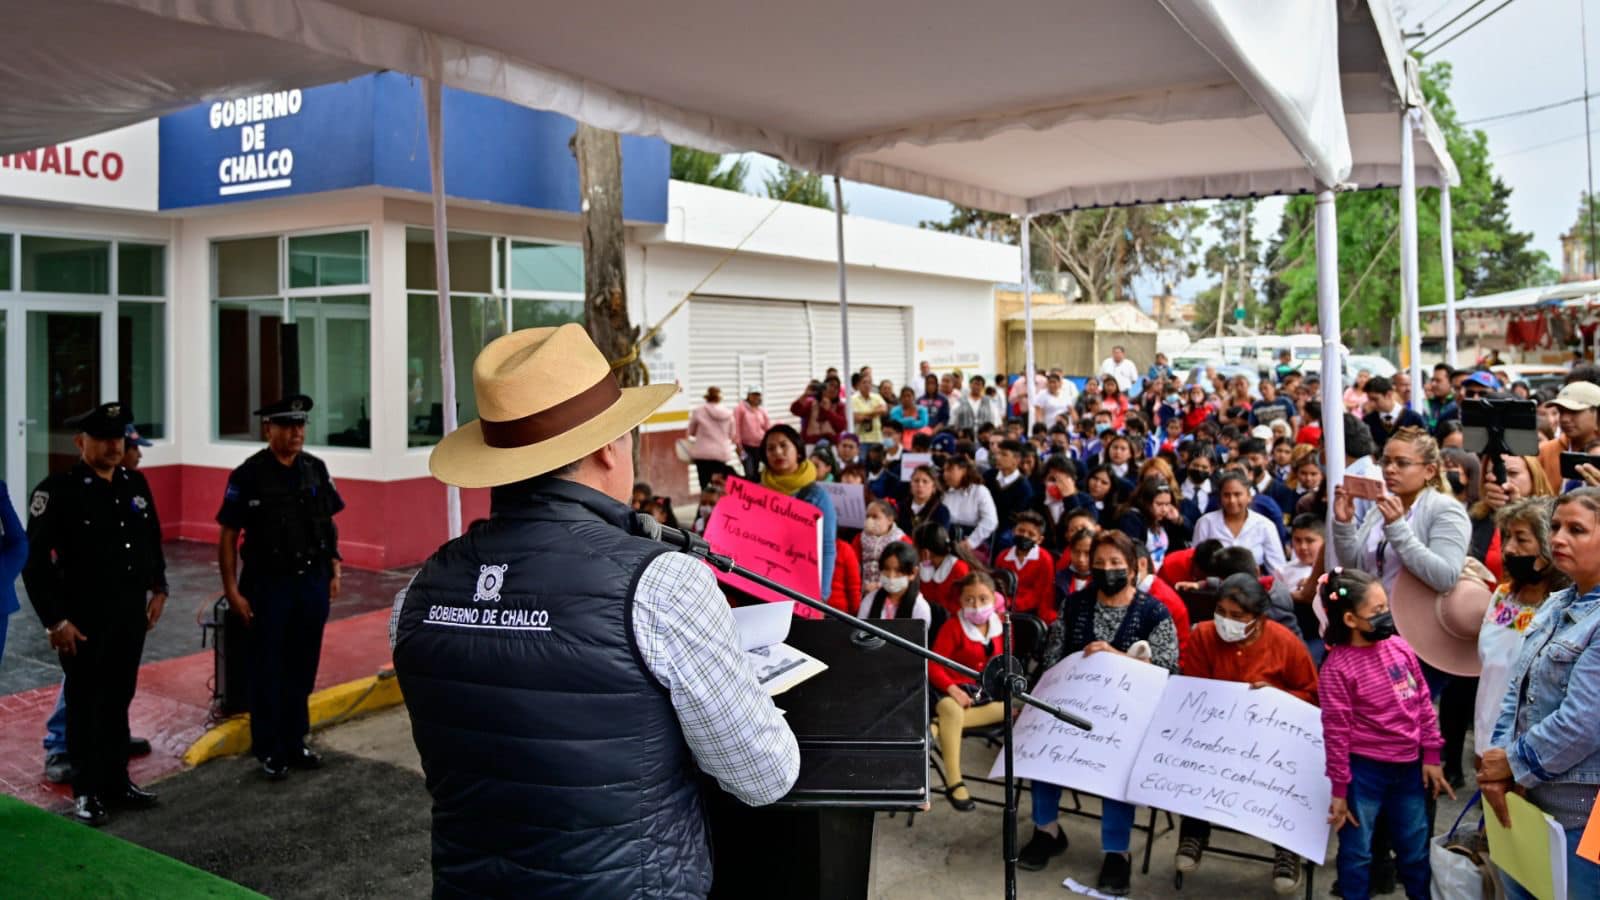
(106, 421)
(291, 410)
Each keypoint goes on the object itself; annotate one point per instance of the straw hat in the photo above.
(546, 397)
(1441, 628)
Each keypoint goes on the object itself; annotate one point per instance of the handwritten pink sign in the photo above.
(771, 534)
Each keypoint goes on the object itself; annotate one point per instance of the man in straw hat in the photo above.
(565, 676)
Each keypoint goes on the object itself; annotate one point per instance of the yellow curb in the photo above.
(327, 707)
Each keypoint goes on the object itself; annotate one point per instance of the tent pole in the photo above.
(441, 267)
(1327, 224)
(1447, 250)
(1411, 331)
(844, 301)
(1027, 317)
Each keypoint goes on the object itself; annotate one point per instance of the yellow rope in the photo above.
(632, 355)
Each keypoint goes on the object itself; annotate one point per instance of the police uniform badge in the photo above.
(140, 503)
(489, 580)
(41, 499)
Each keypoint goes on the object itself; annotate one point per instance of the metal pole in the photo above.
(1327, 223)
(1588, 137)
(441, 270)
(844, 301)
(1411, 353)
(1447, 249)
(1027, 318)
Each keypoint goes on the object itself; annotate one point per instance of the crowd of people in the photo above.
(1185, 524)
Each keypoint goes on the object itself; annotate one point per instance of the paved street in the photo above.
(358, 828)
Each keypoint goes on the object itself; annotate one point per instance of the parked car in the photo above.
(1374, 365)
(1538, 377)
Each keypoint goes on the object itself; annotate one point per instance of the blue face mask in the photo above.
(1173, 399)
(1102, 427)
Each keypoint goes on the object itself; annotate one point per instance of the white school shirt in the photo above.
(1258, 535)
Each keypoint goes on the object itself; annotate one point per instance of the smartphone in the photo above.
(1571, 461)
(1363, 488)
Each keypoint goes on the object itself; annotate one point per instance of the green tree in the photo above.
(1490, 255)
(799, 186)
(700, 167)
(1588, 218)
(1103, 250)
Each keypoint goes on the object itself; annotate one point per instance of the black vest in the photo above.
(1144, 614)
(556, 763)
(291, 530)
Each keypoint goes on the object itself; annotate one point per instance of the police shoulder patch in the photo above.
(41, 500)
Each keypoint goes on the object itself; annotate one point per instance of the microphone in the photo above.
(685, 541)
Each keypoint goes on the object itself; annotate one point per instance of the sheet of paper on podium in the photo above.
(762, 630)
(1533, 850)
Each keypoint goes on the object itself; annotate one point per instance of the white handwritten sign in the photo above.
(910, 461)
(849, 503)
(1250, 760)
(1109, 690)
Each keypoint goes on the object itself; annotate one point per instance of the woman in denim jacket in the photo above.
(1546, 745)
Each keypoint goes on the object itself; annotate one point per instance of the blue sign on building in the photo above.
(373, 131)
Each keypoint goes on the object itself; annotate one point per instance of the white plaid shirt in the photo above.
(684, 631)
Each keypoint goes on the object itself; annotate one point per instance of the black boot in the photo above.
(1116, 875)
(1038, 851)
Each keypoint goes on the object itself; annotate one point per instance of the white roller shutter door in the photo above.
(736, 342)
(879, 337)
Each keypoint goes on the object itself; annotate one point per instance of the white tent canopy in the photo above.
(1019, 107)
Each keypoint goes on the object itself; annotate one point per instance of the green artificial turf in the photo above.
(47, 855)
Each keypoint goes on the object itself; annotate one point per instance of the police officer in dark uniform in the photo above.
(284, 502)
(97, 577)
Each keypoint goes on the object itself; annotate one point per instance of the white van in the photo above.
(1306, 350)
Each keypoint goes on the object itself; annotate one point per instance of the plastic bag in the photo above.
(1460, 862)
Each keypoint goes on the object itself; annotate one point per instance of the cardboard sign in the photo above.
(1109, 690)
(771, 534)
(1250, 760)
(849, 503)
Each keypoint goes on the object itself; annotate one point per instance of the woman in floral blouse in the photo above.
(1530, 578)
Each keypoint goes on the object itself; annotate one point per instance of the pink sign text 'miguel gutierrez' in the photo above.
(771, 534)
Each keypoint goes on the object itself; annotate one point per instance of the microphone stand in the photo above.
(1002, 676)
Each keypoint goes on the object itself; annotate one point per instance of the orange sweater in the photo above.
(1277, 657)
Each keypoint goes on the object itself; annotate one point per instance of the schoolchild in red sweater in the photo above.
(942, 567)
(1034, 567)
(971, 638)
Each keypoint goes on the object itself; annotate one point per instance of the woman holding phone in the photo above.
(1416, 526)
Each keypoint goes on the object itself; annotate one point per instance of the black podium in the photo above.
(862, 727)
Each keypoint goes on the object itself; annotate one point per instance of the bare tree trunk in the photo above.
(605, 308)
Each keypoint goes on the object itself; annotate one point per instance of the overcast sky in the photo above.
(1528, 54)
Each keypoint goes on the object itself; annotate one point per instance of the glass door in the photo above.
(67, 351)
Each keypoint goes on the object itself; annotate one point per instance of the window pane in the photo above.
(543, 267)
(542, 313)
(5, 262)
(247, 268)
(471, 262)
(141, 365)
(323, 260)
(66, 265)
(335, 365)
(474, 322)
(141, 270)
(246, 357)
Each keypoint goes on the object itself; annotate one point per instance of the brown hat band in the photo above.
(554, 421)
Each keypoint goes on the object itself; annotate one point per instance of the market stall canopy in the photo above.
(1573, 293)
(1028, 106)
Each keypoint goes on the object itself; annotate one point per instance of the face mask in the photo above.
(1024, 546)
(1198, 477)
(925, 570)
(1256, 472)
(1457, 487)
(890, 443)
(1172, 399)
(1102, 427)
(1110, 581)
(876, 526)
(1229, 630)
(1521, 568)
(978, 617)
(1382, 627)
(705, 509)
(896, 584)
(1053, 492)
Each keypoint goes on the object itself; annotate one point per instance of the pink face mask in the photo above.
(978, 617)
